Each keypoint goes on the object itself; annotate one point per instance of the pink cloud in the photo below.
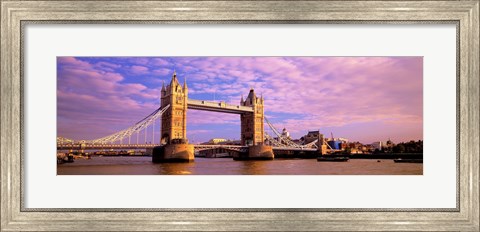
(330, 91)
(160, 62)
(92, 99)
(162, 72)
(205, 117)
(139, 70)
(318, 92)
(72, 62)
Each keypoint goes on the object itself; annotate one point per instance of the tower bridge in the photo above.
(174, 98)
(174, 146)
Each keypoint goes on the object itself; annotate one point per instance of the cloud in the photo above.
(323, 92)
(106, 66)
(90, 99)
(138, 70)
(346, 86)
(198, 117)
(300, 93)
(161, 72)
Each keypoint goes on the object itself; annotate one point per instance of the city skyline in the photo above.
(363, 99)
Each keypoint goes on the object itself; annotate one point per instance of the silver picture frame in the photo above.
(16, 14)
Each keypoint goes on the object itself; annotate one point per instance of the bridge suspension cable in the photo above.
(136, 128)
(284, 141)
(280, 141)
(62, 140)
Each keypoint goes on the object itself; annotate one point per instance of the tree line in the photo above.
(404, 147)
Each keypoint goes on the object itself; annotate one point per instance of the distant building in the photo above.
(389, 144)
(285, 133)
(355, 145)
(356, 151)
(216, 141)
(311, 136)
(335, 144)
(377, 145)
(368, 148)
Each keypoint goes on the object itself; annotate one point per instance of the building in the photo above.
(216, 141)
(335, 144)
(285, 133)
(174, 120)
(377, 145)
(311, 136)
(343, 146)
(252, 123)
(388, 146)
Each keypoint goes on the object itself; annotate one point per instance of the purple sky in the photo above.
(363, 99)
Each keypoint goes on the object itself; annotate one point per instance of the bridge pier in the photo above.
(173, 153)
(256, 152)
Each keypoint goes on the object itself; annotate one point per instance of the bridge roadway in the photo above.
(218, 107)
(146, 146)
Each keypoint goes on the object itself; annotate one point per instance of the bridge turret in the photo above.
(174, 120)
(251, 98)
(252, 123)
(164, 90)
(174, 84)
(185, 83)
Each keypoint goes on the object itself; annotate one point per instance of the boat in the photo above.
(332, 159)
(400, 160)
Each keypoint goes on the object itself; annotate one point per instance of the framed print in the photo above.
(239, 115)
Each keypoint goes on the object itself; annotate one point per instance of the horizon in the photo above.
(365, 99)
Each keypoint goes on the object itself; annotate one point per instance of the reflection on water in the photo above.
(227, 166)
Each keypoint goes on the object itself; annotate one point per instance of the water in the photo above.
(227, 166)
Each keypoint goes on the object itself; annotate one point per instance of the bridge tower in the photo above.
(252, 132)
(322, 147)
(173, 135)
(252, 129)
(174, 120)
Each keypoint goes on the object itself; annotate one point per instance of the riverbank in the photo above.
(383, 156)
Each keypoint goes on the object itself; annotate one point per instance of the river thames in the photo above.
(227, 166)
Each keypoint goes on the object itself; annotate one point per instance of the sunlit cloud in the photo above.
(104, 94)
